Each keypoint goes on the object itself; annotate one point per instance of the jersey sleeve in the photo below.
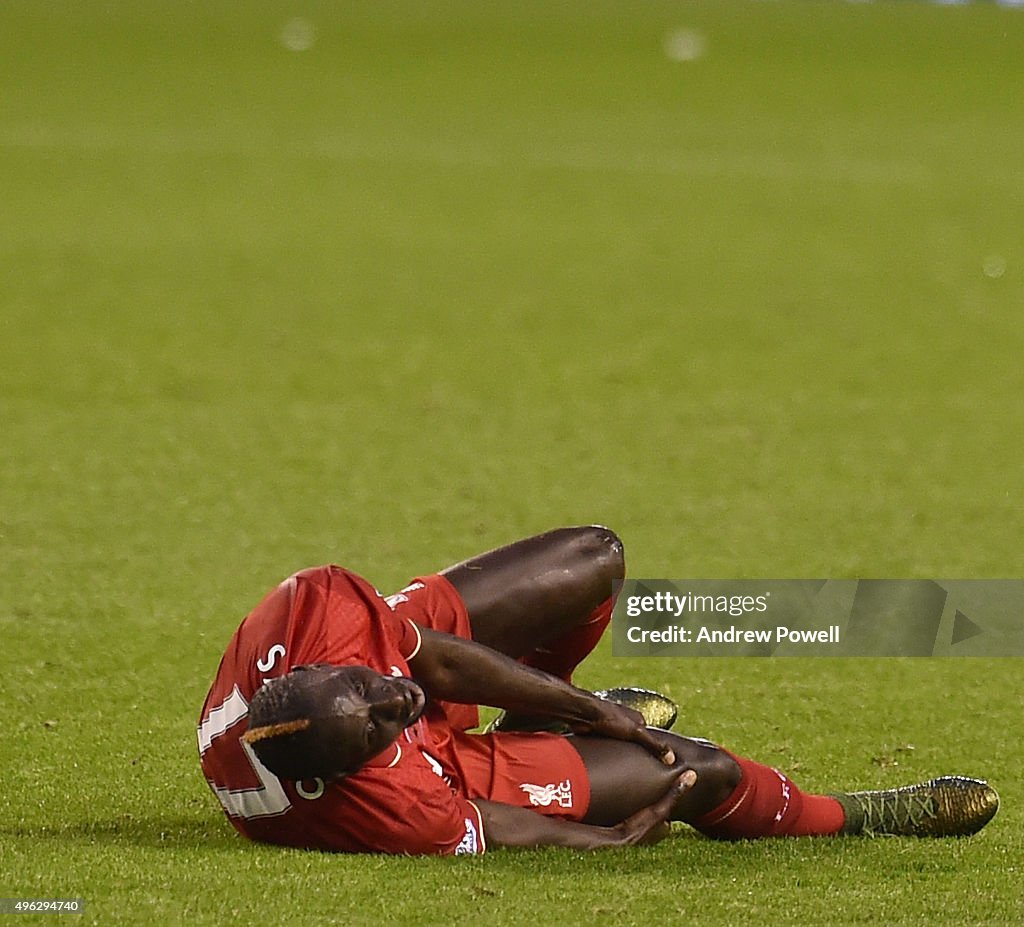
(428, 819)
(404, 809)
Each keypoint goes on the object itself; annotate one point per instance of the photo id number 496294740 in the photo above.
(42, 905)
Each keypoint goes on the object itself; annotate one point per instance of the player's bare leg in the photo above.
(547, 600)
(528, 594)
(737, 798)
(625, 777)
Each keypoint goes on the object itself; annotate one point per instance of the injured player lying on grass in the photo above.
(340, 720)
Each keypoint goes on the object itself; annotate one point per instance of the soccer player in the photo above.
(339, 720)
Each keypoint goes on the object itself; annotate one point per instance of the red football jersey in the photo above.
(407, 800)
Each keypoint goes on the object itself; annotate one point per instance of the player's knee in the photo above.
(718, 774)
(726, 770)
(601, 548)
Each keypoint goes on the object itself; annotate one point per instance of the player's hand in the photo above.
(620, 723)
(650, 825)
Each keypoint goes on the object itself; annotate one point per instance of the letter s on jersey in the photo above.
(267, 663)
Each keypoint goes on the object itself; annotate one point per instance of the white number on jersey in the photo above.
(268, 798)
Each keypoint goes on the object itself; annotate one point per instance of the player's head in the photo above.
(324, 721)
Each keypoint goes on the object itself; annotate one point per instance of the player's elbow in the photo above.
(439, 663)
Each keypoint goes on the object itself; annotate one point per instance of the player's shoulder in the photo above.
(337, 587)
(333, 578)
(317, 574)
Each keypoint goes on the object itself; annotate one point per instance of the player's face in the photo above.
(367, 710)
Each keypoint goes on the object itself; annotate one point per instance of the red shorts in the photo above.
(433, 602)
(542, 772)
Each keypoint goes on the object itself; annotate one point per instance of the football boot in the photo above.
(950, 806)
(658, 711)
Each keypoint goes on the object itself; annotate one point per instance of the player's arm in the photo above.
(509, 826)
(459, 670)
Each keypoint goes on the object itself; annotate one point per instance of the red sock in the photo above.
(562, 655)
(767, 804)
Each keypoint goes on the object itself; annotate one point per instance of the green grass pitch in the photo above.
(388, 284)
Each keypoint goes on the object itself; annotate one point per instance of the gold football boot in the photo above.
(658, 711)
(950, 806)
